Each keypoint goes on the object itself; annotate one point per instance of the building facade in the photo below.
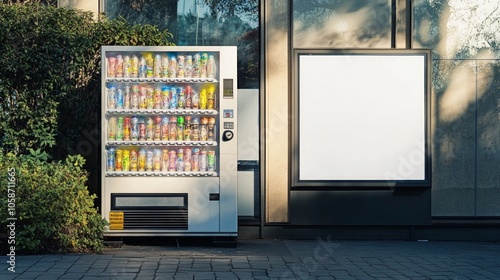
(462, 201)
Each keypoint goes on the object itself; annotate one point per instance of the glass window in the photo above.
(456, 29)
(342, 23)
(202, 23)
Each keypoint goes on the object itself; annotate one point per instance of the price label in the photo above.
(115, 220)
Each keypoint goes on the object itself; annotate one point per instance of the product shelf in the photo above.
(161, 80)
(147, 112)
(162, 143)
(159, 174)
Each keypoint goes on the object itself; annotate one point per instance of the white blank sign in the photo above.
(362, 117)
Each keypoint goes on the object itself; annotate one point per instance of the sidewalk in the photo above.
(272, 259)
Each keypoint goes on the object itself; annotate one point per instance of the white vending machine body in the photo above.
(169, 141)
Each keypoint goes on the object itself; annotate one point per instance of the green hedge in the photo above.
(50, 74)
(49, 104)
(53, 208)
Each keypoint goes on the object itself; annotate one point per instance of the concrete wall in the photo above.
(466, 102)
(466, 142)
(465, 99)
(277, 83)
(86, 5)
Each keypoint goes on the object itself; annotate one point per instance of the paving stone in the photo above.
(258, 260)
(71, 275)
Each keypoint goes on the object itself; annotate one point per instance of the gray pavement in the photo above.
(272, 259)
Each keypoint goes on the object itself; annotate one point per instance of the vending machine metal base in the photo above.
(169, 140)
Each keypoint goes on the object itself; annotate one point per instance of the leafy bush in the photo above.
(50, 85)
(54, 211)
(50, 74)
(49, 102)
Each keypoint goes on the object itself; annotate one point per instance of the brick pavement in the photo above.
(272, 259)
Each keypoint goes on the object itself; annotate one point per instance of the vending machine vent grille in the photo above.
(156, 219)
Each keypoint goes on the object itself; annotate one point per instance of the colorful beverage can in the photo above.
(142, 67)
(157, 98)
(110, 163)
(195, 160)
(157, 66)
(111, 67)
(142, 130)
(203, 132)
(180, 128)
(203, 99)
(112, 128)
(127, 67)
(165, 97)
(119, 99)
(134, 61)
(143, 96)
(187, 93)
(133, 160)
(134, 128)
(179, 163)
(149, 66)
(172, 131)
(111, 92)
(211, 129)
(181, 60)
(211, 67)
(196, 65)
(157, 133)
(188, 69)
(164, 160)
(173, 98)
(211, 161)
(187, 159)
(119, 66)
(126, 98)
(164, 129)
(127, 128)
(149, 160)
(126, 161)
(157, 157)
(203, 65)
(118, 160)
(141, 160)
(172, 69)
(119, 128)
(165, 64)
(150, 129)
(172, 159)
(195, 99)
(187, 129)
(204, 129)
(150, 98)
(181, 102)
(203, 161)
(195, 127)
(211, 98)
(134, 97)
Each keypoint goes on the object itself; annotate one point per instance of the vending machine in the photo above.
(169, 141)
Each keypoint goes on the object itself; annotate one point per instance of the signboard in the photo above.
(362, 118)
